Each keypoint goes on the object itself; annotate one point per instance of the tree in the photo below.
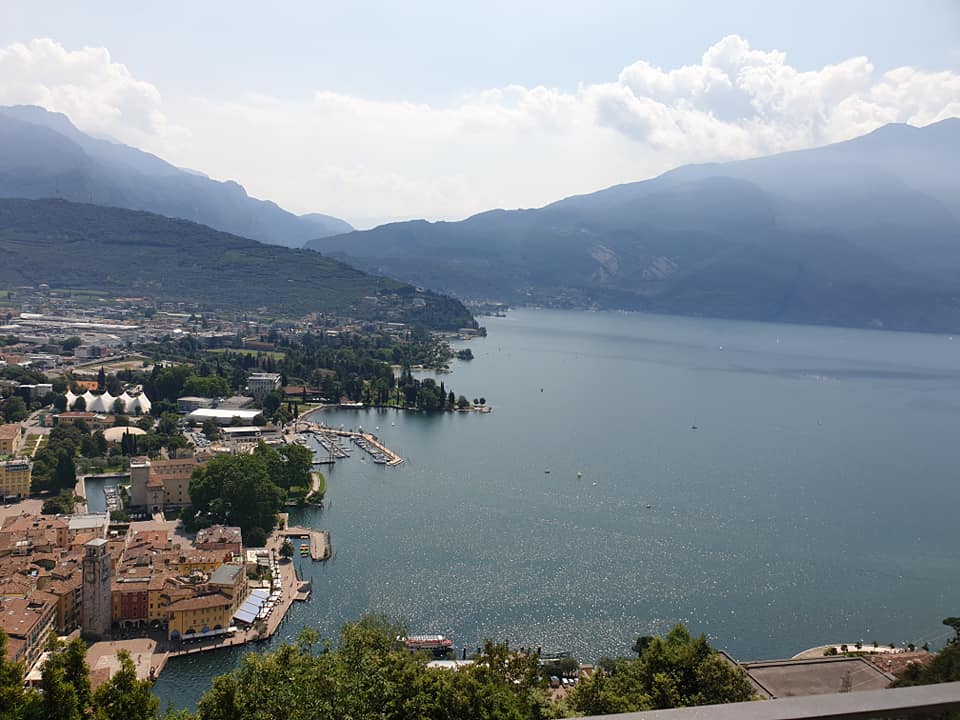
(168, 424)
(953, 622)
(641, 644)
(15, 409)
(65, 475)
(12, 695)
(76, 670)
(370, 676)
(62, 504)
(71, 343)
(211, 429)
(124, 697)
(272, 402)
(676, 671)
(237, 490)
(79, 405)
(944, 667)
(462, 402)
(167, 383)
(60, 402)
(101, 379)
(286, 549)
(288, 466)
(211, 386)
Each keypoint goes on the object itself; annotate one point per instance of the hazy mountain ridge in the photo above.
(134, 253)
(863, 233)
(43, 155)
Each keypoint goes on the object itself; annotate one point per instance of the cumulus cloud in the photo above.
(99, 95)
(513, 146)
(739, 101)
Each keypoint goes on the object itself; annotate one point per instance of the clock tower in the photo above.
(95, 615)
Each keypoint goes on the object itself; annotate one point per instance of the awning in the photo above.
(252, 606)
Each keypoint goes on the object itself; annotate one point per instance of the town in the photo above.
(134, 397)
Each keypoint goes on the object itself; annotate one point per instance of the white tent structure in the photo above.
(138, 404)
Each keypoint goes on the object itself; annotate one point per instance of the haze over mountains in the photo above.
(860, 233)
(42, 155)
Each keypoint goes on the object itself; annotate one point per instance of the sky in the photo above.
(377, 111)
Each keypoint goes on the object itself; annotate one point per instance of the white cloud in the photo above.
(99, 95)
(514, 146)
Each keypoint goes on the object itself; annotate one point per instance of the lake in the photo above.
(773, 486)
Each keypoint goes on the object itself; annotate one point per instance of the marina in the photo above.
(331, 439)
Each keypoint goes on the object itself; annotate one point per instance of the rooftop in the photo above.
(88, 521)
(226, 574)
(785, 678)
(221, 413)
(200, 603)
(9, 431)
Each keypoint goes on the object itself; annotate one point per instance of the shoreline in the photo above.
(292, 590)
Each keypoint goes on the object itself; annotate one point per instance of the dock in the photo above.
(320, 546)
(328, 437)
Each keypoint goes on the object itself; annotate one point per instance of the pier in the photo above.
(329, 437)
(320, 546)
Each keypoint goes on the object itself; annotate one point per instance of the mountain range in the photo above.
(860, 233)
(118, 252)
(42, 155)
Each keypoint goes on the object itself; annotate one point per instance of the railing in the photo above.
(919, 701)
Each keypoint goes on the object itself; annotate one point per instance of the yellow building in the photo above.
(15, 477)
(212, 611)
(10, 435)
(201, 614)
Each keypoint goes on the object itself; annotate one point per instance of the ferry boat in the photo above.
(437, 644)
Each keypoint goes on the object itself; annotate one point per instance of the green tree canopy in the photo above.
(676, 671)
(210, 386)
(123, 696)
(369, 675)
(289, 465)
(236, 490)
(14, 409)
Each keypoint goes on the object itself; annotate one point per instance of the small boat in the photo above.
(547, 471)
(579, 475)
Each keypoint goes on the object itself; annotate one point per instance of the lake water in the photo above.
(815, 501)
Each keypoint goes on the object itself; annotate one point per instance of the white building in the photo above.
(222, 416)
(259, 384)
